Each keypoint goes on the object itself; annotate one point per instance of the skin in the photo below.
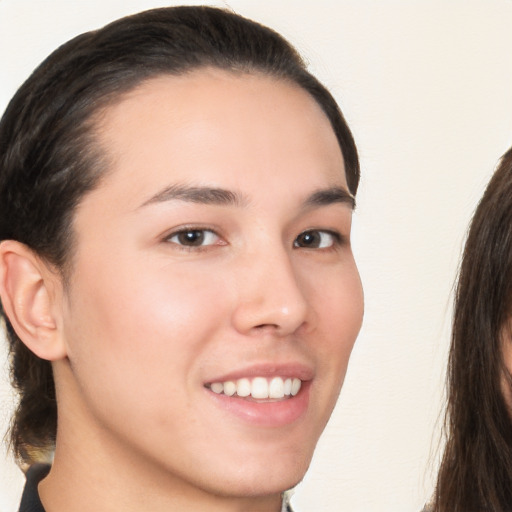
(507, 362)
(146, 321)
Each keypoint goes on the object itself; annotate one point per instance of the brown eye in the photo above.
(316, 239)
(194, 237)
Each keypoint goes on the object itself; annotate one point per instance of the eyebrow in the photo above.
(329, 196)
(223, 197)
(201, 195)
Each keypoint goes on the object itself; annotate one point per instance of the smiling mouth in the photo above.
(259, 388)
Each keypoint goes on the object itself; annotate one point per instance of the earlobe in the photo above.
(27, 291)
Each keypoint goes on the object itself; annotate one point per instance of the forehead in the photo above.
(244, 129)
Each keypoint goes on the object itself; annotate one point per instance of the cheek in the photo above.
(336, 299)
(155, 300)
(338, 303)
(338, 306)
(131, 324)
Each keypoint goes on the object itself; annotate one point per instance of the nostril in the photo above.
(262, 327)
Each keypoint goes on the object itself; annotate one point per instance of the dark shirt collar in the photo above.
(30, 501)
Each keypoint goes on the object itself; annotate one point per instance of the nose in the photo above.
(271, 296)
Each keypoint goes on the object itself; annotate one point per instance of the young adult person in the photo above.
(476, 469)
(176, 277)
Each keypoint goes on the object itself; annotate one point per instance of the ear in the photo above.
(29, 291)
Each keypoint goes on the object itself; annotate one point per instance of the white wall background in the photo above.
(426, 86)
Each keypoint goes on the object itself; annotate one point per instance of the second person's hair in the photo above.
(476, 469)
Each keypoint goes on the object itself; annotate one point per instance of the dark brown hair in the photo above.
(476, 469)
(48, 158)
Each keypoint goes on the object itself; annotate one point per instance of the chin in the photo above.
(265, 479)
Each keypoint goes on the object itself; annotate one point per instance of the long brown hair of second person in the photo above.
(476, 468)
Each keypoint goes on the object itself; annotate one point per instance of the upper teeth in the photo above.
(259, 387)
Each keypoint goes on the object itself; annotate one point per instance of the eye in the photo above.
(194, 237)
(317, 239)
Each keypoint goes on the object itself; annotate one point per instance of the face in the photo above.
(214, 299)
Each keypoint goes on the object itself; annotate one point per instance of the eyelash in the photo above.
(336, 239)
(193, 230)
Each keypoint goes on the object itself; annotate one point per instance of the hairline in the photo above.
(104, 160)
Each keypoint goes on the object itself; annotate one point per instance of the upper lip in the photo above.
(298, 370)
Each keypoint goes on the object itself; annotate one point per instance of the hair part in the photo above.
(476, 468)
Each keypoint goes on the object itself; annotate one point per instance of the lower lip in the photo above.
(266, 414)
